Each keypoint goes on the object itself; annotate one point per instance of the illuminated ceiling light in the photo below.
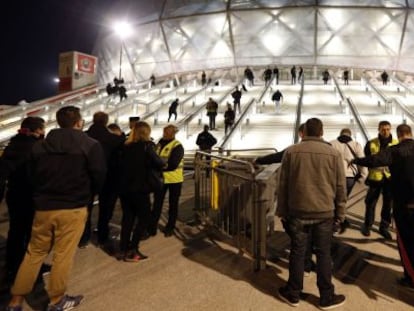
(123, 29)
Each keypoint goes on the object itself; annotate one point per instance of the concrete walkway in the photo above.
(199, 270)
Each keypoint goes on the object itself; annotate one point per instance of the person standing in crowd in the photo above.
(325, 77)
(237, 94)
(248, 74)
(115, 129)
(267, 76)
(293, 75)
(111, 145)
(14, 168)
(300, 76)
(400, 160)
(152, 80)
(384, 77)
(138, 158)
(67, 167)
(277, 157)
(203, 78)
(346, 77)
(277, 97)
(172, 110)
(379, 182)
(212, 108)
(229, 117)
(309, 210)
(350, 149)
(122, 93)
(276, 74)
(172, 153)
(205, 140)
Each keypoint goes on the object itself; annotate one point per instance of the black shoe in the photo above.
(406, 283)
(284, 294)
(385, 233)
(333, 302)
(365, 231)
(168, 232)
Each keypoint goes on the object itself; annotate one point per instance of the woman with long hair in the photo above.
(138, 158)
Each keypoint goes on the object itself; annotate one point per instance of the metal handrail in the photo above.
(358, 119)
(404, 108)
(299, 112)
(403, 85)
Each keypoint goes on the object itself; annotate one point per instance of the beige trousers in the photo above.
(57, 229)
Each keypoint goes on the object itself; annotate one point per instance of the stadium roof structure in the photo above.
(183, 35)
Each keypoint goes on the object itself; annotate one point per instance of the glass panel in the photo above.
(184, 7)
(378, 3)
(362, 37)
(411, 3)
(263, 37)
(248, 4)
(197, 42)
(407, 55)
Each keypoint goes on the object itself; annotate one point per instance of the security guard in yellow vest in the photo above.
(379, 182)
(172, 152)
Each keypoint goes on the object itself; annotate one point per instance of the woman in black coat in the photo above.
(138, 161)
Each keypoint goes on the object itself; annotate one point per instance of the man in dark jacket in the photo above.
(229, 117)
(237, 94)
(111, 145)
(205, 141)
(172, 110)
(14, 168)
(66, 168)
(400, 160)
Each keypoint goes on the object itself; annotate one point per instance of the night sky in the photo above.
(35, 32)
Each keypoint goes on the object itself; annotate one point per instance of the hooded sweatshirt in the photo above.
(66, 168)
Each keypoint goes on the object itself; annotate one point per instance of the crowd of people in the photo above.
(52, 182)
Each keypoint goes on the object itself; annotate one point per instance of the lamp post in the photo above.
(123, 29)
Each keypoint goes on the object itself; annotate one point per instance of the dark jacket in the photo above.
(67, 167)
(271, 158)
(136, 161)
(112, 145)
(173, 107)
(229, 116)
(236, 95)
(277, 95)
(14, 165)
(400, 159)
(205, 140)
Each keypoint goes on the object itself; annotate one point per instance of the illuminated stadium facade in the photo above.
(195, 35)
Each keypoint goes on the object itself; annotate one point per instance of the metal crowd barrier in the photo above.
(234, 197)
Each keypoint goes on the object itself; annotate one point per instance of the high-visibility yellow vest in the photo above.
(378, 173)
(177, 175)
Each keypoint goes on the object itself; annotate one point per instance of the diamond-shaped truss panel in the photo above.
(373, 3)
(199, 44)
(148, 52)
(407, 54)
(273, 35)
(174, 8)
(248, 4)
(353, 32)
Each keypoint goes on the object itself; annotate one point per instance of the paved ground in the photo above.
(199, 270)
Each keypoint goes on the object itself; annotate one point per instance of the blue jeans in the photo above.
(320, 231)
